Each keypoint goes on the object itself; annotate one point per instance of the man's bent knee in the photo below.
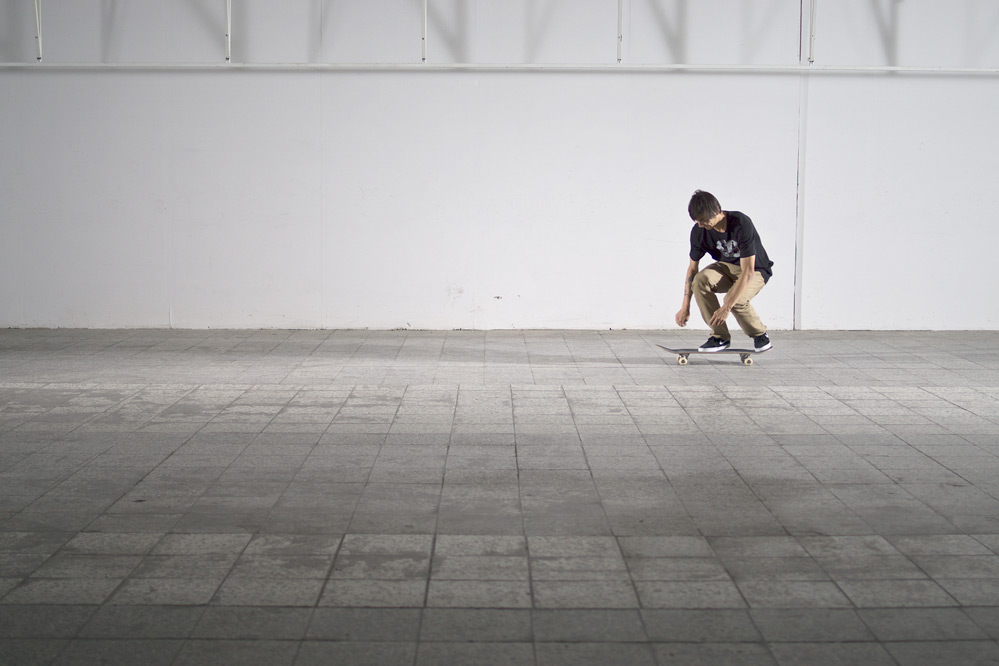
(702, 281)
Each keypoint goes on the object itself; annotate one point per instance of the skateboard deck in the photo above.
(744, 354)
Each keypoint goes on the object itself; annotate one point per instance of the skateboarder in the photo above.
(740, 270)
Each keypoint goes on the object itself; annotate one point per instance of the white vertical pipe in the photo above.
(38, 30)
(800, 202)
(228, 30)
(620, 29)
(424, 30)
(800, 199)
(811, 34)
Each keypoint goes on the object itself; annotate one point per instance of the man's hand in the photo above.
(720, 315)
(682, 316)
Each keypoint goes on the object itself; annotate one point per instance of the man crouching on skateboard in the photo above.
(740, 270)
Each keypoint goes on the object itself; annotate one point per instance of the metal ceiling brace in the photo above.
(38, 30)
(811, 35)
(424, 31)
(620, 30)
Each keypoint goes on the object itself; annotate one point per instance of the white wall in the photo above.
(901, 169)
(486, 199)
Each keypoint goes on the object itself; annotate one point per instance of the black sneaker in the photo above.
(714, 344)
(762, 342)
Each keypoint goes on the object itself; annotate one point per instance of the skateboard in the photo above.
(744, 354)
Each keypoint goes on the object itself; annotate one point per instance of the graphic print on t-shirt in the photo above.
(728, 248)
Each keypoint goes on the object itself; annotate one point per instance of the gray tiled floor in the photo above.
(553, 497)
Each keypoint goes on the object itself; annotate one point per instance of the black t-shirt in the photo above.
(739, 240)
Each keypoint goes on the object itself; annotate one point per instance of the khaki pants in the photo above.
(718, 278)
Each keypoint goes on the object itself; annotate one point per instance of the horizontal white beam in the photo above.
(486, 67)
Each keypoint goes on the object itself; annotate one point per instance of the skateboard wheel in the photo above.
(746, 360)
(682, 360)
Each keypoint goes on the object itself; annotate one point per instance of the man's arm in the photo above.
(684, 314)
(748, 266)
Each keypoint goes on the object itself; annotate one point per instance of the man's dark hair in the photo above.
(703, 206)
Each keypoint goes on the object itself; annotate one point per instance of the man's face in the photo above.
(712, 222)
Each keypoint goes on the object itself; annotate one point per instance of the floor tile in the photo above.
(365, 624)
(475, 654)
(154, 652)
(825, 654)
(476, 625)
